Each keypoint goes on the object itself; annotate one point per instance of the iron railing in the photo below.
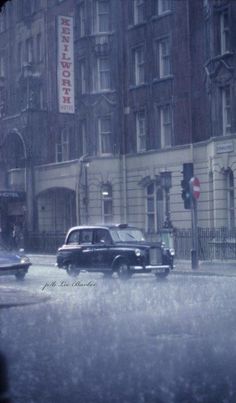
(214, 243)
(44, 242)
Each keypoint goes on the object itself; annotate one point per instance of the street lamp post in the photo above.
(166, 184)
(84, 165)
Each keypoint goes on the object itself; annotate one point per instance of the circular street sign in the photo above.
(195, 187)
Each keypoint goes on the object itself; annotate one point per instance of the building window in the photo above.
(138, 65)
(104, 135)
(163, 57)
(226, 110)
(81, 19)
(19, 56)
(82, 82)
(2, 66)
(62, 146)
(39, 52)
(230, 198)
(154, 208)
(138, 11)
(3, 19)
(162, 6)
(166, 126)
(102, 74)
(101, 16)
(83, 137)
(141, 131)
(107, 203)
(211, 199)
(224, 32)
(29, 50)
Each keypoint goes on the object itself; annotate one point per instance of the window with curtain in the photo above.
(224, 32)
(62, 145)
(138, 11)
(230, 199)
(166, 126)
(107, 202)
(101, 16)
(141, 135)
(154, 207)
(104, 134)
(138, 65)
(226, 110)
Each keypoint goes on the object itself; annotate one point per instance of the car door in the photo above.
(86, 238)
(102, 244)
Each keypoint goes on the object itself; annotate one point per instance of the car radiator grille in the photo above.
(155, 256)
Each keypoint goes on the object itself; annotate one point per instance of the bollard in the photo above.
(194, 259)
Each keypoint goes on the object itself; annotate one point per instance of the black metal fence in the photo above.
(214, 243)
(44, 242)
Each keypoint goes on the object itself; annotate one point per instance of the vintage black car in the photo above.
(13, 263)
(109, 249)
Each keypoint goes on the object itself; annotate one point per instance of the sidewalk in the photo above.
(217, 267)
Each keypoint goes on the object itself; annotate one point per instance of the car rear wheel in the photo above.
(162, 276)
(123, 271)
(72, 270)
(20, 276)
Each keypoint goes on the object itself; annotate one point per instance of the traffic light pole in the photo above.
(194, 251)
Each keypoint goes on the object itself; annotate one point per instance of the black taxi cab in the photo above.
(109, 249)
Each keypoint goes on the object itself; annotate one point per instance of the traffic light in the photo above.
(186, 193)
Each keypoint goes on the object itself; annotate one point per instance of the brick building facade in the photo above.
(154, 87)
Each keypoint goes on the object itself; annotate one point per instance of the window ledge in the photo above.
(164, 14)
(97, 92)
(134, 87)
(133, 26)
(160, 79)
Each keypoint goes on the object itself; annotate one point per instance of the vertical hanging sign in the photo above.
(65, 65)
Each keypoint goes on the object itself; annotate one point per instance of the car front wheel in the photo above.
(20, 276)
(72, 270)
(123, 271)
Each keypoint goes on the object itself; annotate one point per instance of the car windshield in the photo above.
(127, 235)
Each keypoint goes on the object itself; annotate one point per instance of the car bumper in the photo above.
(9, 270)
(149, 269)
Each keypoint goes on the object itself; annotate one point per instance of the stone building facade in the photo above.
(153, 88)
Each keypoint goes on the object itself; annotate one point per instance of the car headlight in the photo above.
(137, 252)
(172, 252)
(25, 260)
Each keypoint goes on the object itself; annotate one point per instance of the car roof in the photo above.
(102, 226)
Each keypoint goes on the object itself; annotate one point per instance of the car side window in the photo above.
(74, 237)
(102, 236)
(86, 236)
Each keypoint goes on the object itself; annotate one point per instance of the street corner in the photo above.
(15, 297)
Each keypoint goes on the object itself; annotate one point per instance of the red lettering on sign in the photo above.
(65, 39)
(64, 57)
(66, 73)
(65, 30)
(66, 100)
(66, 65)
(65, 21)
(66, 83)
(66, 91)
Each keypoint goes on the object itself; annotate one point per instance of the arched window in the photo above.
(154, 207)
(107, 202)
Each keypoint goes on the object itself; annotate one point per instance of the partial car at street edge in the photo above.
(13, 263)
